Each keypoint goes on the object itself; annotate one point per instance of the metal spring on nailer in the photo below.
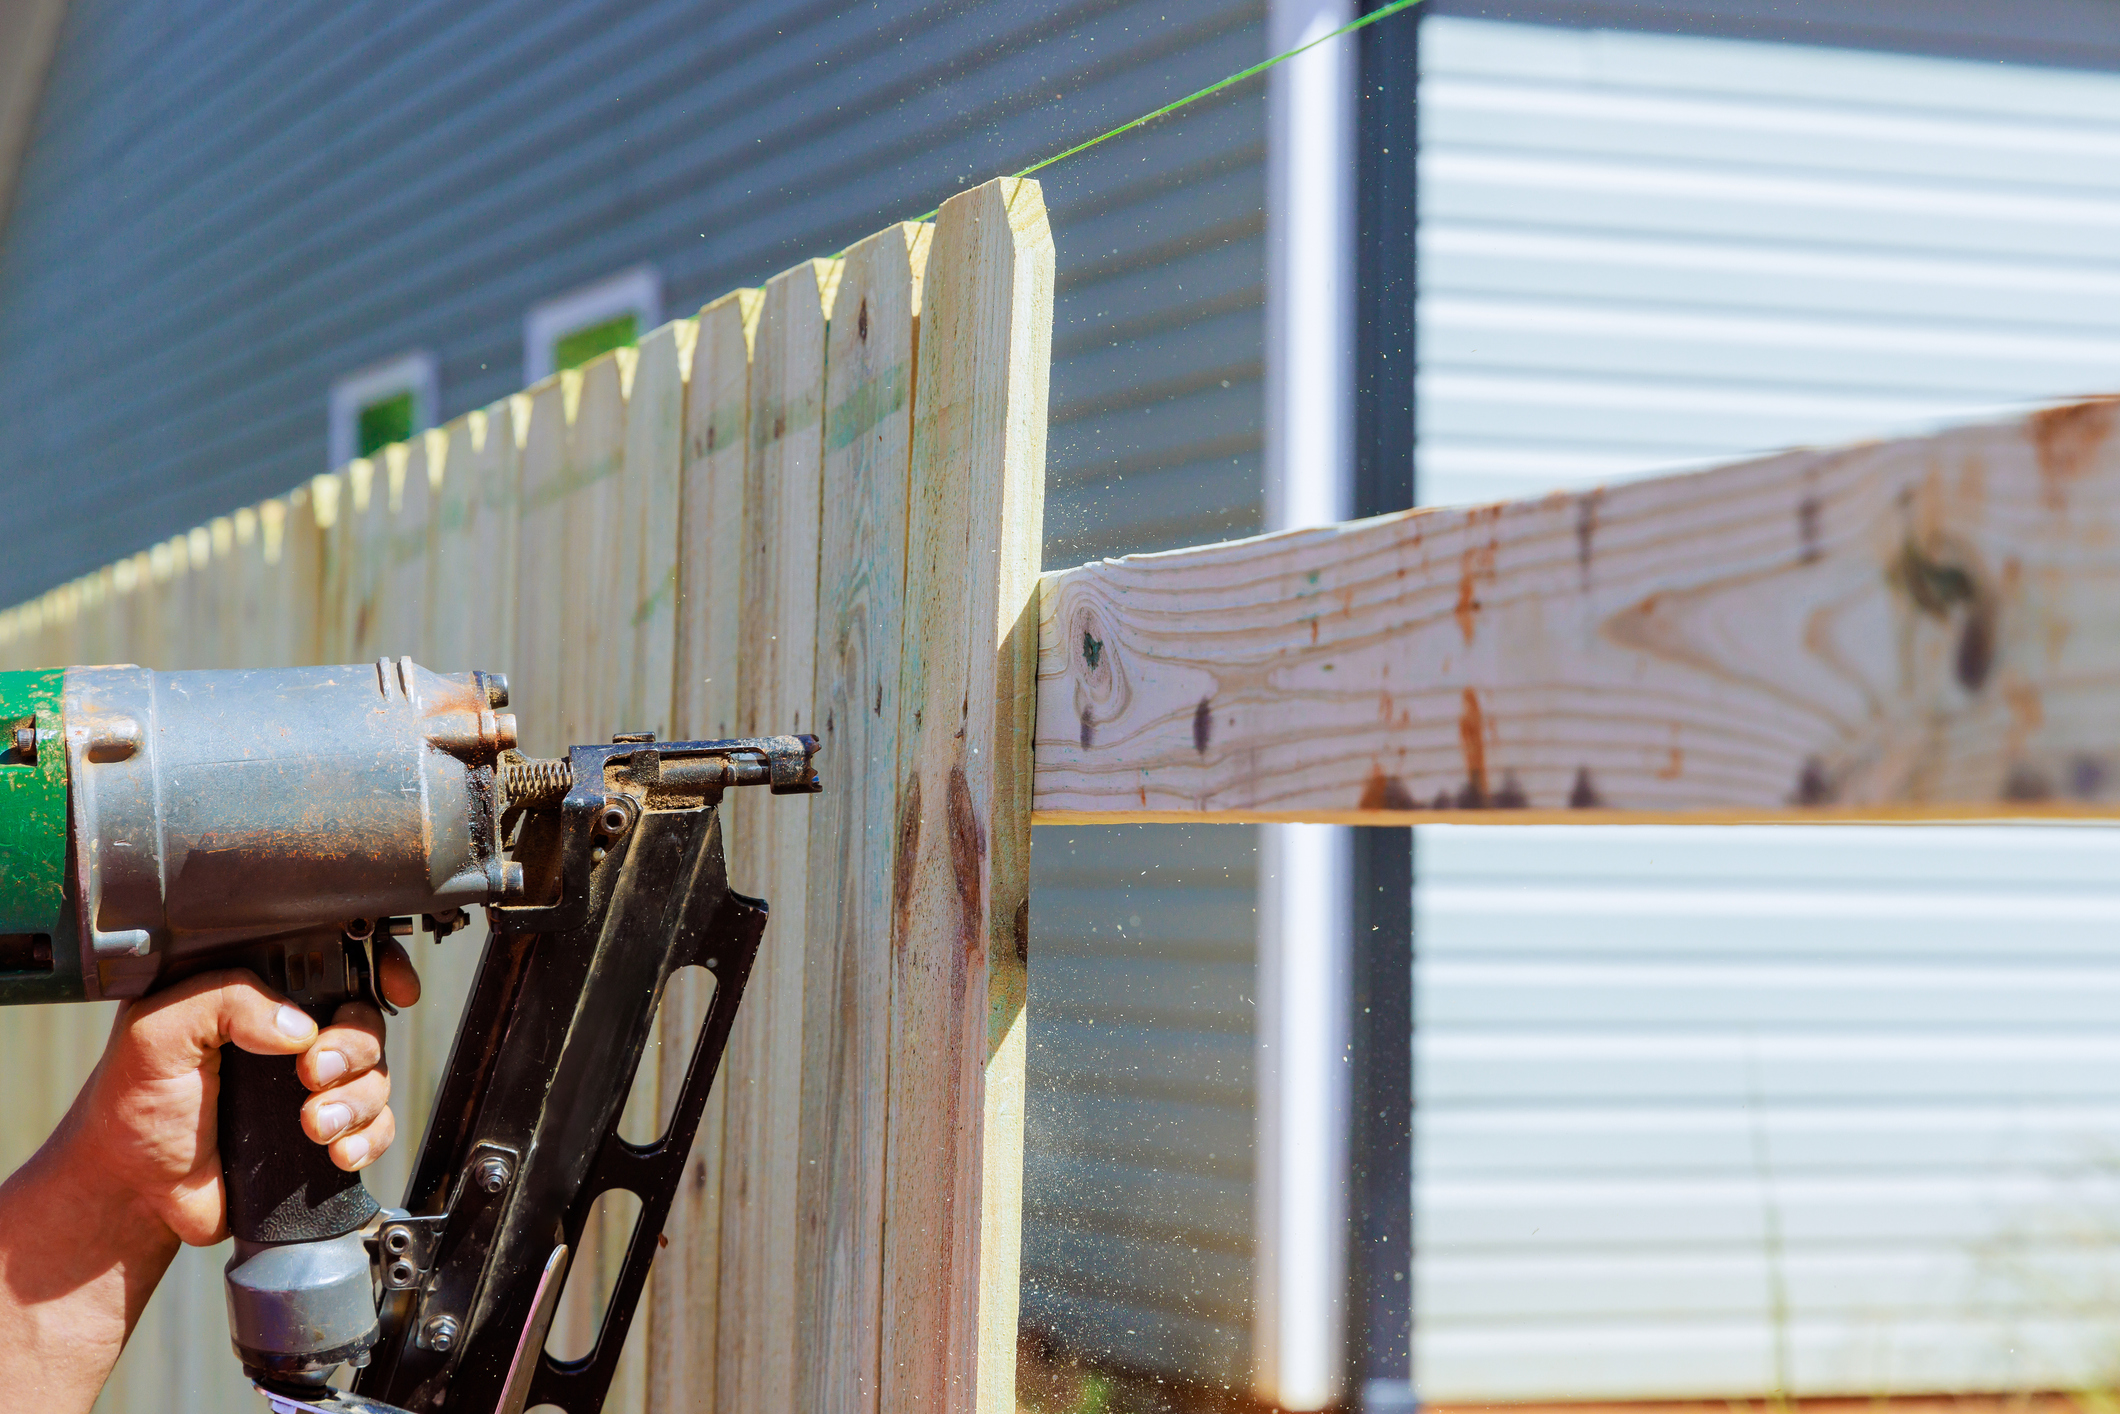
(534, 783)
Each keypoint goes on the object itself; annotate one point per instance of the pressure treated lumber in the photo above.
(471, 569)
(636, 549)
(539, 420)
(853, 824)
(1923, 628)
(357, 546)
(639, 641)
(762, 1074)
(685, 1288)
(961, 886)
(576, 507)
(467, 586)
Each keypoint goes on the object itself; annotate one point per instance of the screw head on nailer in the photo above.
(441, 1333)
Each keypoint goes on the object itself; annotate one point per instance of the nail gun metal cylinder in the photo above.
(213, 807)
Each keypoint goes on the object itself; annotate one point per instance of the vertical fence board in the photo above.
(570, 496)
(761, 1177)
(747, 524)
(584, 502)
(355, 550)
(685, 1283)
(250, 607)
(403, 610)
(180, 627)
(538, 421)
(298, 552)
(643, 595)
(846, 970)
(953, 1197)
(469, 590)
(396, 533)
(96, 640)
(222, 583)
(136, 581)
(471, 575)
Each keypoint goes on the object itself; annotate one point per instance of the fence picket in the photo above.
(468, 581)
(537, 421)
(748, 523)
(953, 1188)
(761, 1180)
(685, 1284)
(846, 965)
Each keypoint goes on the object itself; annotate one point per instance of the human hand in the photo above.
(146, 1120)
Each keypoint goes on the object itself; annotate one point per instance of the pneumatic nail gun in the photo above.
(157, 825)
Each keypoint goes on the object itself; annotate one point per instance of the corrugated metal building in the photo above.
(1718, 1113)
(225, 208)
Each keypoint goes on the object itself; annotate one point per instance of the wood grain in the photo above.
(468, 590)
(292, 537)
(581, 503)
(576, 506)
(846, 945)
(685, 1282)
(404, 612)
(537, 420)
(763, 1072)
(1923, 628)
(716, 534)
(641, 601)
(953, 1187)
(357, 547)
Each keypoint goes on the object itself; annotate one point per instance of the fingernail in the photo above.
(330, 1066)
(293, 1023)
(354, 1152)
(333, 1118)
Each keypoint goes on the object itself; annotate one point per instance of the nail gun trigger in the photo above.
(362, 966)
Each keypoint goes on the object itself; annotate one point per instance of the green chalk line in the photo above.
(1369, 19)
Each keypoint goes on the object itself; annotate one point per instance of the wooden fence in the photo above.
(816, 507)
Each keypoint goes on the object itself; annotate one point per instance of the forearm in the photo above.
(79, 1256)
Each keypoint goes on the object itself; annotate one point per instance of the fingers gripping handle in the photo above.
(282, 1186)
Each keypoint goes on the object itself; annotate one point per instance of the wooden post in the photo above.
(953, 1187)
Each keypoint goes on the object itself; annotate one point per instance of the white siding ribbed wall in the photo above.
(1716, 1112)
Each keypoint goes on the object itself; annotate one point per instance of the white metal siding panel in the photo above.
(1719, 1112)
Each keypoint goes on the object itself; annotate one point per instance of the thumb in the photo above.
(174, 1030)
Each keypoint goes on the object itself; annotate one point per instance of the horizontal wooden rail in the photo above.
(1918, 629)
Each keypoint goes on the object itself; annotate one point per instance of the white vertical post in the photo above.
(1306, 871)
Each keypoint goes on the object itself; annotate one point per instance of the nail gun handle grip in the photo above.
(282, 1186)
